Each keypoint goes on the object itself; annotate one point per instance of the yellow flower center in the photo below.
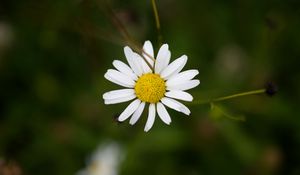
(150, 88)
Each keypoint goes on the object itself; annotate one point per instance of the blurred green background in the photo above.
(54, 53)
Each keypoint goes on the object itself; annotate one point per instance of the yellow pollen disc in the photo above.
(150, 88)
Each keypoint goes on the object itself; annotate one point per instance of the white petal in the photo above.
(129, 110)
(182, 77)
(148, 49)
(163, 58)
(163, 113)
(118, 93)
(151, 117)
(115, 81)
(143, 64)
(175, 67)
(123, 68)
(171, 103)
(137, 114)
(181, 95)
(132, 61)
(184, 85)
(119, 78)
(166, 61)
(119, 100)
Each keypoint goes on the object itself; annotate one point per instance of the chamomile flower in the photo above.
(160, 86)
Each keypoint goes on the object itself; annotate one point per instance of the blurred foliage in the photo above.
(54, 53)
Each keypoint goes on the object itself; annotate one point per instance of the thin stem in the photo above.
(259, 91)
(118, 23)
(99, 33)
(141, 51)
(239, 95)
(227, 115)
(125, 34)
(157, 22)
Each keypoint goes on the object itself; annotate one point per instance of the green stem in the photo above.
(239, 95)
(227, 115)
(259, 91)
(157, 22)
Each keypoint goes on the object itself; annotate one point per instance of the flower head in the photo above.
(158, 85)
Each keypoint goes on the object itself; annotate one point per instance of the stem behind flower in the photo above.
(157, 22)
(125, 34)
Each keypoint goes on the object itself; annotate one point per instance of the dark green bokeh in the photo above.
(54, 53)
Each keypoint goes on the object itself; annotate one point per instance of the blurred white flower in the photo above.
(6, 35)
(105, 160)
(154, 81)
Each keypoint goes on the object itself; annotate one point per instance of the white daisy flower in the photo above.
(158, 87)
